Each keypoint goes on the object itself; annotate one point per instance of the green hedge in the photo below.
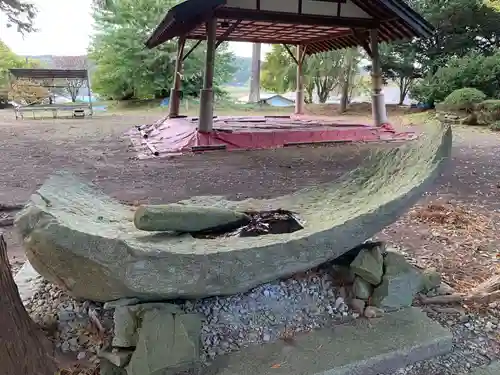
(464, 99)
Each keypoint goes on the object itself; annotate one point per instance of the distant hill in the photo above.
(46, 60)
(62, 62)
(242, 75)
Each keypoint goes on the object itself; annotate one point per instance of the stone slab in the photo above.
(84, 241)
(365, 347)
(492, 369)
(186, 218)
(166, 344)
(28, 282)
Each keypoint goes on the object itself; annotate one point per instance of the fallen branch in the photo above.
(488, 286)
(483, 298)
(485, 293)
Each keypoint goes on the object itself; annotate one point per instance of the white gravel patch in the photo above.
(269, 312)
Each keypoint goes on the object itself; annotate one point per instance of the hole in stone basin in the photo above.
(260, 223)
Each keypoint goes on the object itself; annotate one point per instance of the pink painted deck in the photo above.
(180, 135)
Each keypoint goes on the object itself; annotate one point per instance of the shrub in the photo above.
(475, 70)
(495, 126)
(489, 111)
(464, 99)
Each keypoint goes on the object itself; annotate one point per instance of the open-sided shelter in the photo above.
(311, 26)
(51, 78)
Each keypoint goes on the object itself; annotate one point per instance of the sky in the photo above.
(64, 28)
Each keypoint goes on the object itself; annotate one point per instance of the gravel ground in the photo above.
(96, 151)
(270, 312)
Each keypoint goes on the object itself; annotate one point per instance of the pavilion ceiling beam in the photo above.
(191, 50)
(291, 54)
(363, 41)
(298, 59)
(296, 19)
(228, 32)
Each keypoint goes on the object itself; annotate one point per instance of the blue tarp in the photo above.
(164, 102)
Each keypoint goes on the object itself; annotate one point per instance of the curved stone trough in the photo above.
(85, 241)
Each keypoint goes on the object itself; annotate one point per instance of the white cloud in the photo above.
(64, 28)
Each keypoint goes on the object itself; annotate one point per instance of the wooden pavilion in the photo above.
(311, 25)
(52, 78)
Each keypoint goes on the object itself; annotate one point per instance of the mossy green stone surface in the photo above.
(401, 282)
(186, 218)
(166, 345)
(86, 242)
(369, 265)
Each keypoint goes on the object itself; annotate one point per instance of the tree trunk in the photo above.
(344, 100)
(24, 349)
(254, 96)
(403, 91)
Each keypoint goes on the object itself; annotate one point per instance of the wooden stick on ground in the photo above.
(485, 293)
(24, 349)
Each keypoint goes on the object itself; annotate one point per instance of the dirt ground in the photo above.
(97, 150)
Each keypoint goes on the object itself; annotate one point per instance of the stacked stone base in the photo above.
(151, 337)
(378, 280)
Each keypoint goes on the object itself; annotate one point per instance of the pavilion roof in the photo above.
(49, 73)
(394, 19)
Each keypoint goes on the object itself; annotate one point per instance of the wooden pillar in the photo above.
(378, 104)
(175, 92)
(299, 94)
(207, 95)
(254, 96)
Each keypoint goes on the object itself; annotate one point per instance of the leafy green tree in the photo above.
(24, 90)
(398, 64)
(125, 69)
(474, 71)
(19, 14)
(242, 74)
(461, 27)
(323, 72)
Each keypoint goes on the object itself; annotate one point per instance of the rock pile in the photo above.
(382, 280)
(152, 337)
(221, 325)
(365, 282)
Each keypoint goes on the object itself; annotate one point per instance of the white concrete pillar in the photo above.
(299, 94)
(378, 103)
(206, 118)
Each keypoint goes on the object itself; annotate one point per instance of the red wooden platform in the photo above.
(180, 135)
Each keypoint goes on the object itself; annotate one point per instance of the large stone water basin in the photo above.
(86, 242)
